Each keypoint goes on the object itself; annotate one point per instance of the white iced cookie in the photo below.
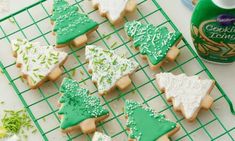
(114, 10)
(188, 93)
(37, 62)
(100, 137)
(108, 69)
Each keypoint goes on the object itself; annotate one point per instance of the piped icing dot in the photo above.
(77, 104)
(144, 123)
(188, 91)
(36, 61)
(154, 42)
(69, 24)
(107, 67)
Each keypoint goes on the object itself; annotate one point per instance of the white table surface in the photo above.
(180, 16)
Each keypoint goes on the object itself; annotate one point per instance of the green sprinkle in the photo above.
(81, 72)
(29, 47)
(115, 62)
(55, 58)
(35, 74)
(108, 37)
(2, 102)
(43, 62)
(22, 79)
(34, 131)
(19, 40)
(52, 54)
(25, 136)
(36, 69)
(33, 80)
(56, 62)
(11, 20)
(113, 45)
(26, 59)
(109, 80)
(47, 66)
(48, 62)
(17, 48)
(44, 58)
(101, 79)
(39, 56)
(123, 55)
(15, 122)
(100, 61)
(21, 52)
(123, 68)
(73, 72)
(44, 119)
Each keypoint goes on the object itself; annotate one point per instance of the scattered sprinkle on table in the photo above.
(16, 122)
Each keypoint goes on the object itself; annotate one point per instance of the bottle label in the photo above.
(215, 39)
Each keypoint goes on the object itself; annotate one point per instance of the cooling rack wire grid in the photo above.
(33, 23)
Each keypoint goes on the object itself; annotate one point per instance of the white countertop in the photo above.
(180, 16)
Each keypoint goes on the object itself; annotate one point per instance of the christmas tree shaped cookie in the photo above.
(146, 125)
(108, 69)
(69, 25)
(156, 44)
(79, 110)
(114, 10)
(38, 63)
(188, 93)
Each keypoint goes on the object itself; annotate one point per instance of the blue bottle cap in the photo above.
(188, 3)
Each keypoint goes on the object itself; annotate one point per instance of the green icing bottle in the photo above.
(213, 30)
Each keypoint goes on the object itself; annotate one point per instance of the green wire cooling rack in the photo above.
(33, 23)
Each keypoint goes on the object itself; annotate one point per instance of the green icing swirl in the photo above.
(154, 42)
(69, 24)
(77, 105)
(145, 124)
